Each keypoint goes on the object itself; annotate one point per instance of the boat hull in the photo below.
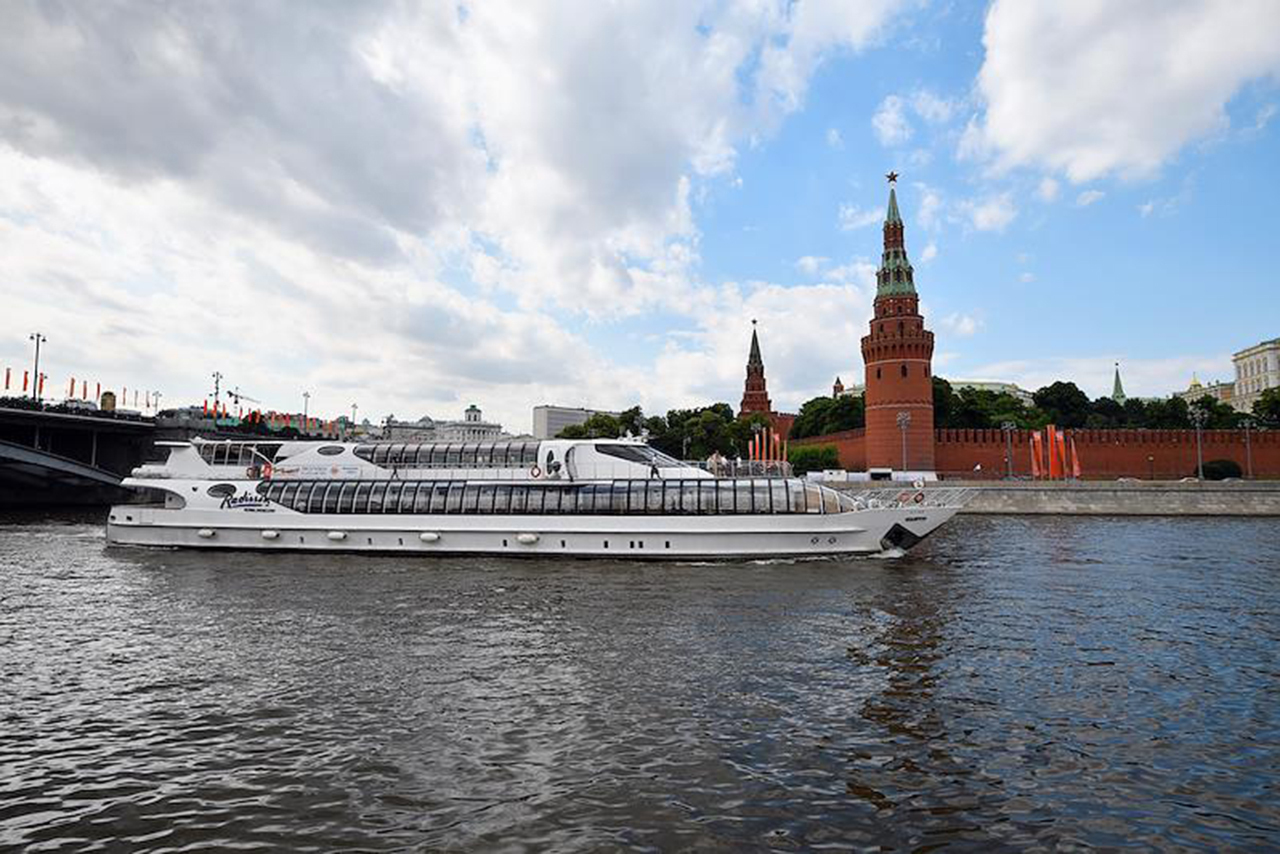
(656, 537)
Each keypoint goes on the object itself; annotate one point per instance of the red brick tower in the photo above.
(898, 355)
(755, 397)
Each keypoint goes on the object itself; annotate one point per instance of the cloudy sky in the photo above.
(419, 206)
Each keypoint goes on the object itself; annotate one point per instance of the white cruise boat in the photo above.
(614, 498)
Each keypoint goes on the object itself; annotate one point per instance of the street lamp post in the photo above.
(1248, 450)
(1197, 418)
(35, 369)
(1008, 427)
(354, 407)
(904, 421)
(306, 399)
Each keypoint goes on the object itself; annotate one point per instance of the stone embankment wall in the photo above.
(1147, 498)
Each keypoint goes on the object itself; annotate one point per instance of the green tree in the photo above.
(823, 415)
(598, 426)
(1218, 415)
(1064, 403)
(944, 403)
(1267, 408)
(807, 458)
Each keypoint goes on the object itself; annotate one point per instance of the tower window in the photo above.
(904, 370)
(900, 327)
(877, 373)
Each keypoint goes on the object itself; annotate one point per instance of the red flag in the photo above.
(84, 389)
(7, 371)
(206, 407)
(1075, 460)
(97, 391)
(71, 392)
(24, 381)
(40, 386)
(1035, 455)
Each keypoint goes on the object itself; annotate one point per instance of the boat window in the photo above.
(636, 503)
(395, 455)
(221, 490)
(812, 498)
(726, 490)
(830, 500)
(551, 499)
(433, 456)
(502, 498)
(422, 498)
(302, 498)
(484, 454)
(484, 501)
(315, 499)
(760, 496)
(452, 454)
(620, 490)
(469, 454)
(706, 496)
(587, 498)
(688, 496)
(537, 495)
(331, 497)
(434, 497)
(391, 503)
(364, 452)
(743, 500)
(405, 502)
(347, 496)
(519, 497)
(530, 453)
(330, 450)
(779, 489)
(653, 500)
(380, 454)
(453, 501)
(376, 495)
(360, 503)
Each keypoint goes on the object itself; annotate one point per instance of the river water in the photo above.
(1013, 684)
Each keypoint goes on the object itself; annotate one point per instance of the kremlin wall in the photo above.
(897, 353)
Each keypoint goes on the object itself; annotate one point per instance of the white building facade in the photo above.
(1257, 369)
(472, 428)
(549, 420)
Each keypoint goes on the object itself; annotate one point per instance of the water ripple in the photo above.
(1014, 684)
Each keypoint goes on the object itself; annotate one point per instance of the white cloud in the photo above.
(414, 192)
(1146, 208)
(932, 108)
(930, 207)
(890, 122)
(1088, 197)
(852, 217)
(930, 252)
(810, 264)
(1027, 278)
(959, 324)
(1048, 190)
(1092, 88)
(992, 213)
(834, 139)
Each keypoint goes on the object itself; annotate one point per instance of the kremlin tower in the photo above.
(755, 397)
(898, 355)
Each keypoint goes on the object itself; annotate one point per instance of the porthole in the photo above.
(221, 490)
(668, 544)
(330, 450)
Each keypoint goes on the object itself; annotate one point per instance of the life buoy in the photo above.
(266, 471)
(919, 499)
(535, 472)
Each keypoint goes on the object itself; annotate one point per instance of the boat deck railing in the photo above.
(932, 497)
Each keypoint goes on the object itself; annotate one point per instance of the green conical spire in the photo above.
(754, 357)
(1117, 390)
(895, 277)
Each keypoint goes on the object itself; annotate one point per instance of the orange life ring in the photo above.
(535, 472)
(266, 471)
